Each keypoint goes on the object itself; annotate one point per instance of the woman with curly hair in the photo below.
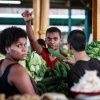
(14, 78)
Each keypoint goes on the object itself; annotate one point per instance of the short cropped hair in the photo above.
(9, 36)
(77, 40)
(53, 29)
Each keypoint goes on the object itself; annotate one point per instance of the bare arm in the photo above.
(20, 78)
(33, 41)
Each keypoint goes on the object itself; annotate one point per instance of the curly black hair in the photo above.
(10, 35)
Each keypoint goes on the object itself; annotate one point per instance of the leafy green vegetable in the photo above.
(35, 65)
(1, 56)
(66, 51)
(23, 63)
(93, 49)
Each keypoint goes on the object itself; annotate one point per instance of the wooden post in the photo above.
(36, 20)
(96, 19)
(44, 19)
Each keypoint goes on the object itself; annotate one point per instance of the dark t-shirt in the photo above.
(78, 70)
(49, 63)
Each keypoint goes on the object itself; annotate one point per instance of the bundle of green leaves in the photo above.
(35, 65)
(1, 56)
(93, 49)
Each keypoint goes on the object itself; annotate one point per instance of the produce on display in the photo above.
(53, 96)
(35, 65)
(88, 83)
(1, 56)
(67, 52)
(56, 54)
(93, 49)
(55, 79)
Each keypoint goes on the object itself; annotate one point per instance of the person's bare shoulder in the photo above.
(17, 68)
(17, 71)
(20, 79)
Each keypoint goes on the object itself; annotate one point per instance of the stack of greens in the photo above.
(1, 56)
(93, 49)
(66, 51)
(55, 79)
(35, 65)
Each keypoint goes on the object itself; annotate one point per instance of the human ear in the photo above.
(60, 41)
(7, 49)
(69, 46)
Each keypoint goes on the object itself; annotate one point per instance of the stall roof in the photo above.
(62, 4)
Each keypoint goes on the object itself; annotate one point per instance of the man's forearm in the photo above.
(33, 41)
(30, 31)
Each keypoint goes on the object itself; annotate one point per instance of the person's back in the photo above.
(78, 70)
(76, 45)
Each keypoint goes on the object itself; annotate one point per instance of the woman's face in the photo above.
(18, 50)
(53, 40)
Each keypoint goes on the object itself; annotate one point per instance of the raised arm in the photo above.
(33, 41)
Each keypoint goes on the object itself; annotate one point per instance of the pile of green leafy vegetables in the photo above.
(66, 51)
(1, 56)
(35, 65)
(93, 49)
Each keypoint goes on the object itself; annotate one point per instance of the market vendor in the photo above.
(53, 41)
(76, 45)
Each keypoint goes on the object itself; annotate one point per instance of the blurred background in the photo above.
(64, 14)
